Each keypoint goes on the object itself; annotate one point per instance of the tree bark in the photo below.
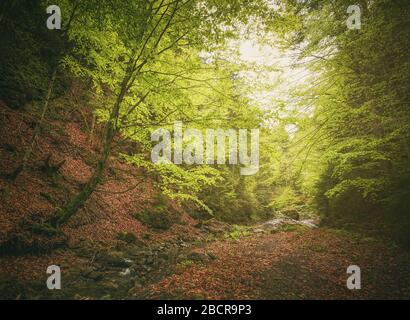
(130, 76)
(79, 200)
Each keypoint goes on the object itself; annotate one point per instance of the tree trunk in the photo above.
(79, 200)
(111, 129)
(91, 133)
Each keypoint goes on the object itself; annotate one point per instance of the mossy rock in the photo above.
(200, 215)
(127, 237)
(114, 259)
(292, 213)
(197, 256)
(159, 218)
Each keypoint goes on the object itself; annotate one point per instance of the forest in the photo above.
(204, 149)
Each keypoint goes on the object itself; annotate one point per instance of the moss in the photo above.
(45, 229)
(158, 218)
(128, 237)
(49, 198)
(186, 263)
(146, 236)
(293, 228)
(237, 232)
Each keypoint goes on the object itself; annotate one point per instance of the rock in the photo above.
(215, 227)
(128, 261)
(92, 274)
(80, 297)
(157, 218)
(198, 256)
(275, 225)
(181, 243)
(115, 259)
(126, 272)
(111, 285)
(128, 237)
(134, 251)
(309, 223)
(292, 213)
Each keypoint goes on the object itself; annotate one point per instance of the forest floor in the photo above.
(292, 263)
(300, 264)
(107, 253)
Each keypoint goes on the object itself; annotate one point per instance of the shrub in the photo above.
(285, 196)
(238, 232)
(158, 218)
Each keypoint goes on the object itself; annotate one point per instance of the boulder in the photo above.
(109, 285)
(127, 237)
(90, 273)
(292, 213)
(198, 256)
(115, 259)
(215, 227)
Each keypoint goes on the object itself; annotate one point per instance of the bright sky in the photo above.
(272, 57)
(274, 68)
(270, 73)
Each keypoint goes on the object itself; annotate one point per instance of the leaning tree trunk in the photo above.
(79, 200)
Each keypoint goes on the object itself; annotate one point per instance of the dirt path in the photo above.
(303, 264)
